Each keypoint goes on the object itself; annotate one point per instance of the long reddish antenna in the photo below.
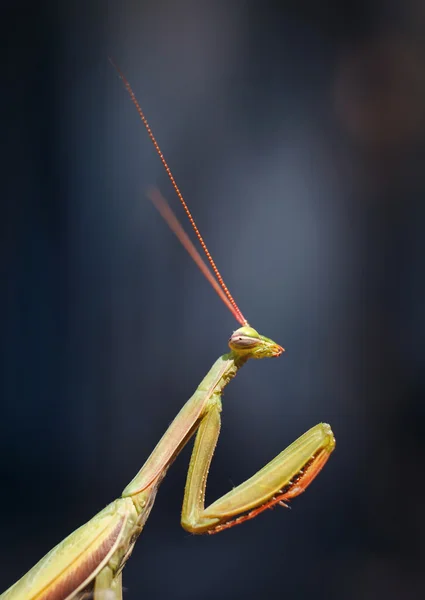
(174, 224)
(230, 300)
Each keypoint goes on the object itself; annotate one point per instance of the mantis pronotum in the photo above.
(89, 562)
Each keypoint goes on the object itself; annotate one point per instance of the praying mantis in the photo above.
(90, 561)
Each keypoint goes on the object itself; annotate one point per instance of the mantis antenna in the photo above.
(167, 213)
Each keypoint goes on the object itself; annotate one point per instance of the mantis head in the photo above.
(247, 342)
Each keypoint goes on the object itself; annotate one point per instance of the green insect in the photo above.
(89, 562)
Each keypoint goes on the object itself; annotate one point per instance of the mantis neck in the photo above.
(220, 374)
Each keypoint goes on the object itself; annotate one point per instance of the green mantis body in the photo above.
(89, 562)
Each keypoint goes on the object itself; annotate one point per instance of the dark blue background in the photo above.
(297, 134)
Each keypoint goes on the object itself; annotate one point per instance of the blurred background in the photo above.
(296, 132)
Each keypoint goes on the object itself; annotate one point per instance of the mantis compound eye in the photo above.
(244, 338)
